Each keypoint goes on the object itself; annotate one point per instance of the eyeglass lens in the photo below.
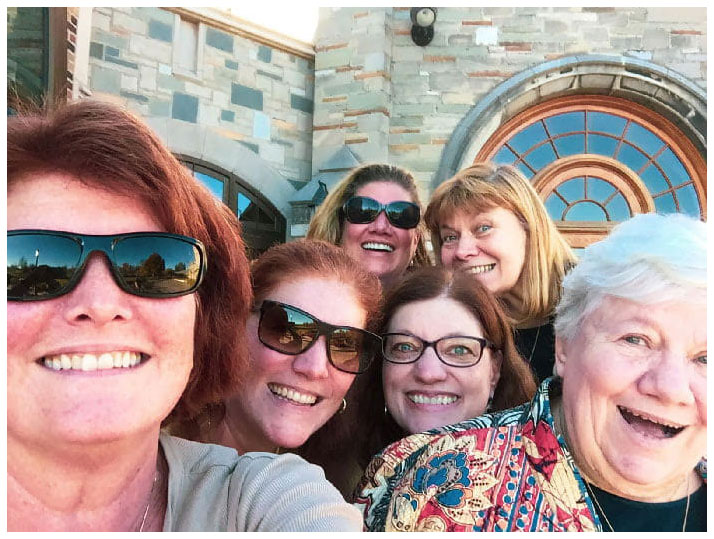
(455, 351)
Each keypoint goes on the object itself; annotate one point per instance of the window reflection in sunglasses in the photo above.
(362, 210)
(289, 330)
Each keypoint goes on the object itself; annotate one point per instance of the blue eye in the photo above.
(635, 339)
(702, 359)
(481, 229)
(449, 238)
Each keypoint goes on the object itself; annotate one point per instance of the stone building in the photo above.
(603, 109)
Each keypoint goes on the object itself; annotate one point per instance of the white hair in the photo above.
(649, 259)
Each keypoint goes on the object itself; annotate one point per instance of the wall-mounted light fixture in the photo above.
(422, 24)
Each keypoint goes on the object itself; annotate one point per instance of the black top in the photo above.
(632, 516)
(537, 346)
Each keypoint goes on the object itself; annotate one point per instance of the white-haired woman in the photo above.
(614, 442)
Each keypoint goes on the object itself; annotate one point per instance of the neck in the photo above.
(673, 489)
(232, 432)
(80, 487)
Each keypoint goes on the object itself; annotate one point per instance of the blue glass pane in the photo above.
(243, 203)
(634, 159)
(644, 138)
(606, 123)
(688, 201)
(586, 211)
(570, 145)
(528, 173)
(214, 184)
(572, 190)
(673, 167)
(599, 189)
(541, 156)
(665, 204)
(528, 138)
(566, 123)
(602, 145)
(504, 157)
(555, 207)
(654, 180)
(618, 208)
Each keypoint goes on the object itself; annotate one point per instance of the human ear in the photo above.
(560, 357)
(496, 361)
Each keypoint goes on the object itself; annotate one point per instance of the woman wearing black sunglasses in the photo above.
(375, 215)
(308, 339)
(127, 288)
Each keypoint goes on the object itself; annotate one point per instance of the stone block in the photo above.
(150, 48)
(230, 64)
(105, 80)
(161, 15)
(219, 39)
(209, 114)
(101, 20)
(220, 99)
(333, 58)
(261, 126)
(198, 89)
(159, 107)
(374, 61)
(273, 153)
(365, 101)
(130, 83)
(273, 76)
(161, 31)
(265, 54)
(122, 21)
(111, 51)
(134, 96)
(171, 84)
(108, 38)
(677, 14)
(119, 61)
(147, 78)
(165, 69)
(96, 50)
(246, 97)
(184, 107)
(301, 103)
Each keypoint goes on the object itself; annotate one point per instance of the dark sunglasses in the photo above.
(455, 351)
(45, 264)
(361, 210)
(289, 330)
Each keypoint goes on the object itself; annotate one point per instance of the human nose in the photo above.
(429, 369)
(312, 363)
(96, 298)
(381, 223)
(668, 379)
(466, 247)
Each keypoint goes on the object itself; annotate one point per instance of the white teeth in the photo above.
(482, 269)
(374, 246)
(291, 394)
(424, 399)
(652, 420)
(92, 362)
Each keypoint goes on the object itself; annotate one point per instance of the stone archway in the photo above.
(669, 94)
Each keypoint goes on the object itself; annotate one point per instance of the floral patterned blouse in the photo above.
(506, 471)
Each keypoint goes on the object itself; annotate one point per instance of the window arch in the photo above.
(596, 160)
(261, 224)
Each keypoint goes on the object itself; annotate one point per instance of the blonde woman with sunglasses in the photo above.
(375, 215)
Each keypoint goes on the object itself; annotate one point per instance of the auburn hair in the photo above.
(108, 148)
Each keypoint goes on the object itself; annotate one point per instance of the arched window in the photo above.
(262, 225)
(597, 160)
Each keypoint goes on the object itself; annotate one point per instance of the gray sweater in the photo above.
(212, 488)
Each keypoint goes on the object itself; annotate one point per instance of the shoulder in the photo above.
(217, 489)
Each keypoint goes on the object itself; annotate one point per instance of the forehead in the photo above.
(465, 217)
(434, 318)
(55, 201)
(384, 192)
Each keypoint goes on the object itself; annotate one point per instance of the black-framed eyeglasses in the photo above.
(289, 330)
(455, 351)
(46, 264)
(401, 213)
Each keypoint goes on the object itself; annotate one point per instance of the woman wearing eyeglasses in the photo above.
(308, 339)
(127, 288)
(489, 221)
(448, 355)
(375, 215)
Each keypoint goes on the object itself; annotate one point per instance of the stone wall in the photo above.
(241, 90)
(391, 100)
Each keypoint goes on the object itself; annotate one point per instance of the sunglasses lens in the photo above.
(40, 265)
(157, 265)
(285, 330)
(403, 214)
(361, 210)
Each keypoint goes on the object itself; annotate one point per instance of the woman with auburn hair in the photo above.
(447, 356)
(128, 287)
(375, 215)
(308, 339)
(489, 221)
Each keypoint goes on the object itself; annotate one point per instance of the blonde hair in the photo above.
(548, 257)
(327, 223)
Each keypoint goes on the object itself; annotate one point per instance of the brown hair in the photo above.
(108, 148)
(328, 223)
(548, 257)
(516, 384)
